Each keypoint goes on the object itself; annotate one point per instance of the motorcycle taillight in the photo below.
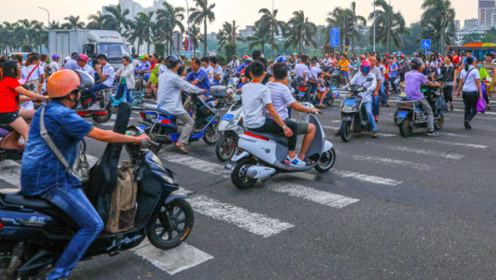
(303, 89)
(1, 226)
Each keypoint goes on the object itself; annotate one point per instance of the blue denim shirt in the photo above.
(202, 77)
(41, 170)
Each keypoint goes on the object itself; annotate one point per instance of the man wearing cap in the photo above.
(234, 63)
(72, 64)
(106, 74)
(82, 61)
(145, 65)
(244, 65)
(54, 65)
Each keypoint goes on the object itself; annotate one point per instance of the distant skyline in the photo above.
(243, 11)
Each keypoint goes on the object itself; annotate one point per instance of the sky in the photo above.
(245, 12)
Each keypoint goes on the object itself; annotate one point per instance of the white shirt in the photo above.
(35, 75)
(136, 63)
(281, 97)
(210, 73)
(234, 64)
(300, 69)
(161, 69)
(469, 79)
(169, 92)
(88, 69)
(255, 97)
(360, 79)
(327, 62)
(218, 71)
(54, 66)
(110, 72)
(315, 72)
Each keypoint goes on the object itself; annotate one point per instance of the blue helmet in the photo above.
(281, 59)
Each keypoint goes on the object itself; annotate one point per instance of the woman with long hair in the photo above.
(471, 85)
(448, 73)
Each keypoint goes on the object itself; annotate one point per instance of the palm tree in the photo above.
(196, 37)
(11, 38)
(142, 27)
(228, 34)
(356, 21)
(97, 21)
(201, 14)
(275, 26)
(73, 23)
(389, 25)
(55, 25)
(261, 36)
(336, 18)
(440, 16)
(117, 19)
(301, 32)
(167, 20)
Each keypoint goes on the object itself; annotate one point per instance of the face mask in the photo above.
(479, 65)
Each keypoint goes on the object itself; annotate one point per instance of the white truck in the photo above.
(63, 42)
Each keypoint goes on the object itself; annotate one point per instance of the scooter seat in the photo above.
(279, 139)
(15, 197)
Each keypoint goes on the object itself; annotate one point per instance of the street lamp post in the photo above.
(48, 26)
(374, 25)
(189, 34)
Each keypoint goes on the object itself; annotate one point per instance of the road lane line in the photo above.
(474, 146)
(426, 152)
(366, 178)
(393, 162)
(486, 113)
(252, 222)
(174, 260)
(453, 134)
(321, 197)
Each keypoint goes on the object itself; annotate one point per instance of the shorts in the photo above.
(8, 118)
(302, 127)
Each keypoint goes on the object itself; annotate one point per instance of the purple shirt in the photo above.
(413, 81)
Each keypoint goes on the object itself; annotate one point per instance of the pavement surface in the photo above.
(391, 208)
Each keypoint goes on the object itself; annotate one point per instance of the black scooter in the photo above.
(34, 233)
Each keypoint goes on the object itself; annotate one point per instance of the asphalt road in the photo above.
(391, 208)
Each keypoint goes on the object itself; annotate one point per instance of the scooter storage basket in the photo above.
(123, 202)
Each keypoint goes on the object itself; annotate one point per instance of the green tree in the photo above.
(97, 21)
(228, 34)
(270, 22)
(142, 27)
(356, 21)
(168, 19)
(73, 23)
(301, 32)
(196, 37)
(472, 38)
(336, 19)
(261, 36)
(439, 15)
(389, 25)
(117, 19)
(202, 13)
(230, 50)
(490, 36)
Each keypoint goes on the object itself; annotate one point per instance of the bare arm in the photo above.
(109, 136)
(298, 107)
(275, 116)
(28, 93)
(431, 84)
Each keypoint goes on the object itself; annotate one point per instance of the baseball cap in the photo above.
(144, 57)
(67, 58)
(82, 57)
(55, 57)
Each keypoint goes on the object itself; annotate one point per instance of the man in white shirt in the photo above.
(234, 64)
(218, 73)
(301, 69)
(106, 73)
(281, 99)
(315, 72)
(208, 69)
(82, 61)
(169, 98)
(136, 61)
(54, 65)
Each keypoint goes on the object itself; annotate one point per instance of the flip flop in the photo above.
(322, 106)
(181, 148)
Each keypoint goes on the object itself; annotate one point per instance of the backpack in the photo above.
(123, 201)
(402, 67)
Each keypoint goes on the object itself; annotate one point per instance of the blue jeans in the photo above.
(370, 115)
(95, 89)
(375, 103)
(121, 90)
(216, 83)
(74, 203)
(382, 93)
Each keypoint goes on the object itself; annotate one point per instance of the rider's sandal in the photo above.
(181, 148)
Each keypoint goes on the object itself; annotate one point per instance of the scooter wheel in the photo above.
(405, 128)
(239, 176)
(167, 235)
(346, 131)
(212, 133)
(326, 161)
(226, 147)
(438, 125)
(330, 101)
(103, 119)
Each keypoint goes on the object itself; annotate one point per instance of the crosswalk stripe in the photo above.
(199, 164)
(250, 221)
(366, 178)
(394, 162)
(474, 146)
(174, 260)
(426, 152)
(379, 134)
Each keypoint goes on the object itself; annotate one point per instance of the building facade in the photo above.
(486, 9)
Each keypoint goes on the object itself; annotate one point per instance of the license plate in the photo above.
(301, 94)
(227, 117)
(229, 166)
(350, 102)
(402, 114)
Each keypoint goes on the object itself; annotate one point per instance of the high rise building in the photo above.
(471, 24)
(457, 24)
(486, 9)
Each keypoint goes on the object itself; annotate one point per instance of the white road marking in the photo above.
(454, 134)
(380, 134)
(485, 113)
(174, 260)
(426, 152)
(474, 146)
(321, 197)
(366, 178)
(252, 222)
(393, 162)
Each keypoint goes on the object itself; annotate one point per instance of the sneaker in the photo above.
(375, 134)
(337, 132)
(294, 161)
(94, 107)
(467, 125)
(451, 107)
(432, 133)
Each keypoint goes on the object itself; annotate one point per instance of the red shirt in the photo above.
(9, 98)
(456, 60)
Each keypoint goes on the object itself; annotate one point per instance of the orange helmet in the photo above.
(61, 83)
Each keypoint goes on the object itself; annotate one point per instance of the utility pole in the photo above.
(189, 41)
(48, 26)
(374, 25)
(272, 29)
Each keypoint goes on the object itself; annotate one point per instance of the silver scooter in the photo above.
(231, 126)
(262, 156)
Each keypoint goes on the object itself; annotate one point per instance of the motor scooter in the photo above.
(353, 115)
(9, 143)
(104, 97)
(34, 232)
(262, 155)
(231, 125)
(163, 128)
